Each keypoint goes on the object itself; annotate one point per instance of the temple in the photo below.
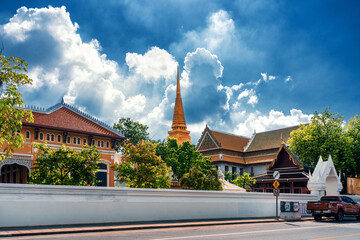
(260, 156)
(178, 126)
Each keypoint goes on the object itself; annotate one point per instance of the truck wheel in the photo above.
(340, 215)
(317, 217)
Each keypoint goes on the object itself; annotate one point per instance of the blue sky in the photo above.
(244, 65)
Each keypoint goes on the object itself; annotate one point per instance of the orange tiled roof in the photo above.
(230, 141)
(260, 159)
(228, 158)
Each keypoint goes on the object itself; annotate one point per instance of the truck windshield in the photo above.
(329, 199)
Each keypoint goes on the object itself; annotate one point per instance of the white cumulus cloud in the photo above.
(143, 88)
(220, 36)
(153, 65)
(274, 120)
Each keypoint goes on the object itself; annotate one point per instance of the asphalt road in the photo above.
(328, 229)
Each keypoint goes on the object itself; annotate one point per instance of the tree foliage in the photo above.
(182, 158)
(140, 167)
(12, 75)
(198, 180)
(327, 135)
(245, 181)
(352, 131)
(65, 166)
(229, 176)
(133, 131)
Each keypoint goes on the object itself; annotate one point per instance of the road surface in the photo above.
(329, 229)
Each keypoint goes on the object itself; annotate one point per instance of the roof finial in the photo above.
(62, 100)
(178, 83)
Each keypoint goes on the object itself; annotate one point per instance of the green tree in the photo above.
(133, 131)
(244, 181)
(352, 134)
(140, 167)
(182, 158)
(324, 136)
(229, 176)
(12, 75)
(198, 180)
(65, 166)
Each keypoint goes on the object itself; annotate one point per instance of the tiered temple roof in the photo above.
(260, 148)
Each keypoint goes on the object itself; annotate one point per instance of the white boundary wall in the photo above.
(34, 205)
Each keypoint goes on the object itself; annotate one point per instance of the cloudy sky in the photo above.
(244, 65)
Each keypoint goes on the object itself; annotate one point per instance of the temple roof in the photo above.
(211, 139)
(269, 139)
(63, 116)
(230, 141)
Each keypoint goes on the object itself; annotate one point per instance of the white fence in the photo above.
(34, 205)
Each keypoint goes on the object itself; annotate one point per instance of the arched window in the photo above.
(84, 141)
(47, 137)
(27, 134)
(59, 138)
(74, 142)
(79, 141)
(41, 136)
(98, 143)
(52, 137)
(102, 144)
(107, 144)
(68, 140)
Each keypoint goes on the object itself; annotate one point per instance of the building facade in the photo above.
(260, 156)
(58, 125)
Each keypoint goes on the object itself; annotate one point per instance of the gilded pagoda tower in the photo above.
(178, 126)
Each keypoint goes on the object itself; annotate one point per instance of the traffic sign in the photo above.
(276, 192)
(276, 184)
(276, 175)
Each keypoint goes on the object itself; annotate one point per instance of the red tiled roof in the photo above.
(230, 141)
(65, 119)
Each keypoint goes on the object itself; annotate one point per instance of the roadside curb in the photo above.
(67, 230)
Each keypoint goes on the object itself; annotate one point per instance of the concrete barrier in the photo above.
(35, 205)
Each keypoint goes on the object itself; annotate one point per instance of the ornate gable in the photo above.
(207, 141)
(285, 159)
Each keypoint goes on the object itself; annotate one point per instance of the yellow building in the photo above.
(57, 125)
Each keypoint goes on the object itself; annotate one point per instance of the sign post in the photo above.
(276, 184)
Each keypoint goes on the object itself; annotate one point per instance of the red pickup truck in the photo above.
(334, 206)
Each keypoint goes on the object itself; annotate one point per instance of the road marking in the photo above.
(241, 233)
(343, 236)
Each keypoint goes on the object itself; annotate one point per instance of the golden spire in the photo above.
(179, 125)
(179, 116)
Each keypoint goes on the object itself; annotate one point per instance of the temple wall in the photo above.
(257, 169)
(35, 205)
